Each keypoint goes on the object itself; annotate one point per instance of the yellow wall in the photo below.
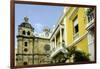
(83, 44)
(81, 20)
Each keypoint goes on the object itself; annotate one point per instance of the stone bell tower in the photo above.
(25, 40)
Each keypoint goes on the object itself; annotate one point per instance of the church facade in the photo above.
(30, 49)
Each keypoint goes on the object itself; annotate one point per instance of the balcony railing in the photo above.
(56, 49)
(91, 17)
(90, 14)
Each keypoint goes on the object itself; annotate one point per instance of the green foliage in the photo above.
(79, 56)
(71, 51)
(89, 11)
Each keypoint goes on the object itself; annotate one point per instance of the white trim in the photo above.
(57, 50)
(55, 42)
(55, 33)
(61, 37)
(90, 24)
(91, 44)
(65, 31)
(78, 39)
(76, 35)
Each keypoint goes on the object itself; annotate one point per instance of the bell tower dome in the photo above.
(25, 28)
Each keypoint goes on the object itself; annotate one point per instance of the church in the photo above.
(31, 49)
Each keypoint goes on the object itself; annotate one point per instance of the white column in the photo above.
(65, 31)
(52, 44)
(91, 45)
(55, 41)
(61, 35)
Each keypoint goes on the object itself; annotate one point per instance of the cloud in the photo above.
(53, 26)
(38, 27)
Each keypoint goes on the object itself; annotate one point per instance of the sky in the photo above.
(39, 16)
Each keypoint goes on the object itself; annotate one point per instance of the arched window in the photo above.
(23, 32)
(25, 43)
(28, 33)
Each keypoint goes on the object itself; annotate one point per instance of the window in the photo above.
(75, 21)
(28, 33)
(16, 59)
(25, 43)
(23, 33)
(76, 29)
(25, 63)
(25, 49)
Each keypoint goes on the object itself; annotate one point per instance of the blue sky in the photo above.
(39, 15)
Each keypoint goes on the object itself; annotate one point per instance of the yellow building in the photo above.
(72, 28)
(75, 29)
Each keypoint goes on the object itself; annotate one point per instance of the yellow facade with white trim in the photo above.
(81, 42)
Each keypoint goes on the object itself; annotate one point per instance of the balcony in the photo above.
(57, 50)
(91, 18)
